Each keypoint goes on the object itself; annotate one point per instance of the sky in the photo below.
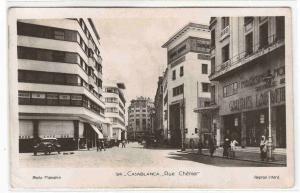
(131, 41)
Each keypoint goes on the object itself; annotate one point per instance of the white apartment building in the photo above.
(187, 82)
(59, 82)
(115, 111)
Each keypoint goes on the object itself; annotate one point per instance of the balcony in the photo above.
(225, 33)
(273, 42)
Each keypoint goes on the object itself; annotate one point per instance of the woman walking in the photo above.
(263, 148)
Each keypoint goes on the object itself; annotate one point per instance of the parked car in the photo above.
(47, 145)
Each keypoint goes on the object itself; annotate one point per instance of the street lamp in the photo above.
(268, 79)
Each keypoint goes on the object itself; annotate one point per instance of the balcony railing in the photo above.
(225, 32)
(243, 57)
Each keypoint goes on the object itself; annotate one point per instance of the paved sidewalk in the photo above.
(247, 154)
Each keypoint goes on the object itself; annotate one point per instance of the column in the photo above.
(76, 134)
(222, 130)
(243, 129)
(274, 125)
(35, 129)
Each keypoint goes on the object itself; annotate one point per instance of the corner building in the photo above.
(115, 111)
(244, 51)
(187, 80)
(59, 82)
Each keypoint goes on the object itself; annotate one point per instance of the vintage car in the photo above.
(47, 145)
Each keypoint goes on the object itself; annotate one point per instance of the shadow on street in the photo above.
(217, 161)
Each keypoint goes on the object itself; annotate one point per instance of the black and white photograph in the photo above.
(167, 94)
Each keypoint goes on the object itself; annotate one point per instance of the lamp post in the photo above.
(183, 123)
(268, 79)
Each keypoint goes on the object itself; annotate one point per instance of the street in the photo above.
(134, 155)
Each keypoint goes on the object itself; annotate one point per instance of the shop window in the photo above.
(225, 53)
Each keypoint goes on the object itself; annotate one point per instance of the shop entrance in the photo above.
(280, 127)
(232, 127)
(175, 125)
(256, 126)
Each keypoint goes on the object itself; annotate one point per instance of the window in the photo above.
(181, 71)
(59, 34)
(248, 20)
(230, 89)
(263, 35)
(213, 38)
(204, 69)
(249, 43)
(38, 98)
(213, 94)
(64, 99)
(47, 55)
(225, 53)
(76, 100)
(24, 97)
(225, 22)
(52, 99)
(174, 75)
(213, 64)
(205, 87)
(178, 90)
(280, 27)
(34, 30)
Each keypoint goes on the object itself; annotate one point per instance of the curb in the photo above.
(239, 159)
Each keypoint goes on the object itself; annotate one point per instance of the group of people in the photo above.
(229, 147)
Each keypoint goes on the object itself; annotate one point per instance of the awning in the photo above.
(206, 109)
(100, 135)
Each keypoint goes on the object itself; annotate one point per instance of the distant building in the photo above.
(158, 114)
(115, 110)
(139, 118)
(187, 82)
(244, 51)
(59, 82)
(166, 133)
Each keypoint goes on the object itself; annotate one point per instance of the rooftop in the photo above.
(183, 30)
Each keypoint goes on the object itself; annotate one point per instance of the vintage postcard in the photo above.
(161, 97)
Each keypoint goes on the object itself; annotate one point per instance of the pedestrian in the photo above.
(200, 145)
(263, 148)
(98, 144)
(226, 147)
(88, 144)
(123, 143)
(192, 144)
(233, 145)
(211, 146)
(102, 145)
